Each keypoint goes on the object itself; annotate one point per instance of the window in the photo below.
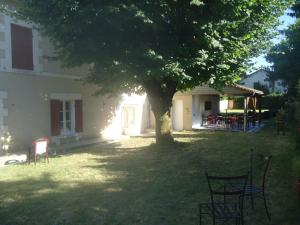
(21, 47)
(66, 117)
(207, 105)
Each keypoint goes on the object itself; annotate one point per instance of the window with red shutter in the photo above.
(21, 47)
(66, 117)
(78, 116)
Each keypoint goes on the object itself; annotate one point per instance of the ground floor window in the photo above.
(66, 117)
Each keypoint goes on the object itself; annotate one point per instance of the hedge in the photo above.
(273, 103)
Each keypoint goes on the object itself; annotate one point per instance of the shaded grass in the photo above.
(137, 182)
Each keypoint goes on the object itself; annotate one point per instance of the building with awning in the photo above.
(191, 108)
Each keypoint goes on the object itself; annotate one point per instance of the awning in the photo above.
(232, 90)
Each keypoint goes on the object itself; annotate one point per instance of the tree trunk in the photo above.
(160, 99)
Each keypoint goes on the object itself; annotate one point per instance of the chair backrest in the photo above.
(40, 146)
(259, 166)
(220, 187)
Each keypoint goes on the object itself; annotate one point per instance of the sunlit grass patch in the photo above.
(138, 182)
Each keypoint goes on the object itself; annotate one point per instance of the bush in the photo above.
(271, 102)
(297, 119)
(262, 87)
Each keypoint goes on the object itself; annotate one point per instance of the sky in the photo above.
(286, 20)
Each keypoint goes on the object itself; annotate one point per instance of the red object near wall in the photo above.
(78, 116)
(298, 130)
(55, 106)
(21, 47)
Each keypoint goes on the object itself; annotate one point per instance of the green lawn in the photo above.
(135, 182)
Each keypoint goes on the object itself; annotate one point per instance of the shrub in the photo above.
(271, 102)
(262, 87)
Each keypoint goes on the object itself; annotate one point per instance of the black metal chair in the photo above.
(259, 166)
(226, 204)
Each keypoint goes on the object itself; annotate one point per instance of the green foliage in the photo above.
(285, 56)
(271, 102)
(261, 87)
(131, 44)
(157, 46)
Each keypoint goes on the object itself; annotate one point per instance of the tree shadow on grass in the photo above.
(144, 185)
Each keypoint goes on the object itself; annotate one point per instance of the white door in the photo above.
(129, 119)
(197, 117)
(177, 115)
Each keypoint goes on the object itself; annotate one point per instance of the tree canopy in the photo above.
(285, 56)
(157, 46)
(131, 42)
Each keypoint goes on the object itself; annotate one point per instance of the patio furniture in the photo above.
(232, 120)
(226, 204)
(259, 166)
(39, 147)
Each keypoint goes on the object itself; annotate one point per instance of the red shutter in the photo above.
(21, 47)
(55, 106)
(78, 116)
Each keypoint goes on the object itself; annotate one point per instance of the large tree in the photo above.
(157, 46)
(285, 56)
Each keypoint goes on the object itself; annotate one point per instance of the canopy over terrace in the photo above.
(234, 90)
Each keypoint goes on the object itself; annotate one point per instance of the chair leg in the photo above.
(266, 207)
(29, 155)
(242, 212)
(252, 200)
(200, 215)
(46, 158)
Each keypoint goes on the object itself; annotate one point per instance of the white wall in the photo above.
(261, 76)
(258, 76)
(42, 50)
(177, 114)
(3, 116)
(199, 108)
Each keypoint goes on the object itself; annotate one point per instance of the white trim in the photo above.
(65, 96)
(42, 74)
(56, 75)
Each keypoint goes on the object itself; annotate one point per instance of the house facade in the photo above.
(40, 98)
(261, 76)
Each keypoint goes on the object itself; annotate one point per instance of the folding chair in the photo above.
(226, 204)
(39, 147)
(259, 166)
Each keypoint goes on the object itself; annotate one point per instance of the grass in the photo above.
(135, 182)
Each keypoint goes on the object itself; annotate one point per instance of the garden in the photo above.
(137, 182)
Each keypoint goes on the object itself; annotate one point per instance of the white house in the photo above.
(39, 98)
(261, 76)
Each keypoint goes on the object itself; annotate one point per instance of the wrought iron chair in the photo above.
(259, 166)
(226, 204)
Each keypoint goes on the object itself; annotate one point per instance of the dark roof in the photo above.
(249, 75)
